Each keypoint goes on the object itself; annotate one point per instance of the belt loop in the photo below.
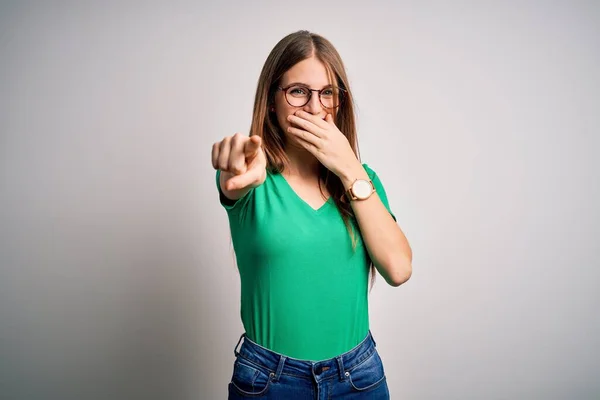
(341, 365)
(282, 359)
(236, 346)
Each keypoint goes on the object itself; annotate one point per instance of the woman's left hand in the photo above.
(325, 141)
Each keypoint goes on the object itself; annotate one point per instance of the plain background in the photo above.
(481, 118)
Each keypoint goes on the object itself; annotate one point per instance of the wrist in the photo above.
(352, 173)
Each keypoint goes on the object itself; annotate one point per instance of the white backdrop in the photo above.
(481, 118)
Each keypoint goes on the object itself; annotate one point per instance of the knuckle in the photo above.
(236, 165)
(223, 163)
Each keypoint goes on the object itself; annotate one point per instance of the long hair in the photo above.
(290, 50)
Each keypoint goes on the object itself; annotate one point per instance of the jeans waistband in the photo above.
(278, 364)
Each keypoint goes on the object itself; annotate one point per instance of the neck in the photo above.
(301, 162)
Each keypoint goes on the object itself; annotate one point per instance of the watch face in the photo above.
(362, 189)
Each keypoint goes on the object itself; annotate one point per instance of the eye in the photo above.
(298, 91)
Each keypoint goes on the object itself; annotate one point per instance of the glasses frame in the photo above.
(310, 92)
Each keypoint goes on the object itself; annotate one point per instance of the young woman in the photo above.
(307, 220)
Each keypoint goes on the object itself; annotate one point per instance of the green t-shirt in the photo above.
(304, 289)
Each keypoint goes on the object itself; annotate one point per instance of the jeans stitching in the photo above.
(373, 385)
(245, 393)
(365, 357)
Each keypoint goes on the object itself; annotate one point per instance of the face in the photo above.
(312, 73)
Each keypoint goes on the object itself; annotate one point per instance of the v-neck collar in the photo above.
(300, 199)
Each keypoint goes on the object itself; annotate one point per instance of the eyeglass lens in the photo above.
(298, 96)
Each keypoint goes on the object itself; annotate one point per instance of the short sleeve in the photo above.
(228, 204)
(379, 188)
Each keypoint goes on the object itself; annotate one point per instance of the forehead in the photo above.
(310, 71)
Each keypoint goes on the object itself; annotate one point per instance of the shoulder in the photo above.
(373, 176)
(369, 170)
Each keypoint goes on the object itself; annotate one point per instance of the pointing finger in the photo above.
(252, 145)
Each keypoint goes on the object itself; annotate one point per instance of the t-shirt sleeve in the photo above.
(379, 188)
(231, 206)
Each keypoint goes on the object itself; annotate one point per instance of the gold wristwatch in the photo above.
(361, 189)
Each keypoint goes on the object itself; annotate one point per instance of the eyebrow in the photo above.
(305, 84)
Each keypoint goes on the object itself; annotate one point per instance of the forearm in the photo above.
(386, 243)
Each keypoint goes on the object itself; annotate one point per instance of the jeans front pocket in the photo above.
(368, 374)
(250, 379)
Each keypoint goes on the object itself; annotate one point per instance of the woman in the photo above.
(307, 220)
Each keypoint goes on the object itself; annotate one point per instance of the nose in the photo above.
(314, 105)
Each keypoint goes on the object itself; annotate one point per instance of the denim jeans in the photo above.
(260, 373)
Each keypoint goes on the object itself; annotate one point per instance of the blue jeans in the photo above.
(260, 373)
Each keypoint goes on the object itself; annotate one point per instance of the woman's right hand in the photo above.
(242, 162)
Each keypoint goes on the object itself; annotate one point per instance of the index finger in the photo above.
(252, 145)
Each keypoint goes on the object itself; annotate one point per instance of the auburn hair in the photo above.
(290, 50)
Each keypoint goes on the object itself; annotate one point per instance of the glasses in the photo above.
(299, 95)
